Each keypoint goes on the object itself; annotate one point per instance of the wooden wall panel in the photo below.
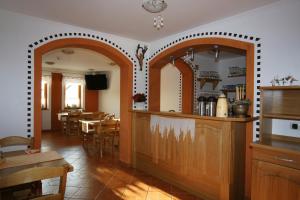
(210, 164)
(91, 100)
(202, 44)
(56, 96)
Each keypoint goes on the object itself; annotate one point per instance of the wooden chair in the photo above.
(87, 135)
(107, 131)
(64, 123)
(16, 141)
(94, 115)
(35, 174)
(73, 125)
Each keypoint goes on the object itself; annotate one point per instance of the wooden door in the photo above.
(271, 181)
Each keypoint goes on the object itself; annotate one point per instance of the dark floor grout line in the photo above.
(105, 186)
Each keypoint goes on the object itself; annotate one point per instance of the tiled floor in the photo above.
(104, 179)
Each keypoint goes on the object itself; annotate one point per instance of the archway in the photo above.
(125, 86)
(187, 86)
(201, 44)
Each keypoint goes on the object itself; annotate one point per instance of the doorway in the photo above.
(202, 44)
(125, 86)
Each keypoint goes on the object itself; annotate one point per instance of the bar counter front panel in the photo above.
(208, 161)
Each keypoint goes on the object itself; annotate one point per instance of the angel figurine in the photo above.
(140, 54)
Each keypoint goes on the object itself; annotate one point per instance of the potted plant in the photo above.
(139, 99)
(241, 107)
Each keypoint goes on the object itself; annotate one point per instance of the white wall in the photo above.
(223, 68)
(170, 89)
(205, 64)
(109, 100)
(16, 33)
(278, 27)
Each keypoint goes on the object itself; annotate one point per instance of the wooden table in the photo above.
(59, 115)
(17, 163)
(87, 125)
(62, 114)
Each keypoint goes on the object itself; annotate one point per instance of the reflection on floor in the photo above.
(105, 178)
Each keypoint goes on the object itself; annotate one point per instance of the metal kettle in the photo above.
(201, 105)
(211, 106)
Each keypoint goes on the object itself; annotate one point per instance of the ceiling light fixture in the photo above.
(191, 50)
(172, 59)
(158, 22)
(155, 6)
(190, 56)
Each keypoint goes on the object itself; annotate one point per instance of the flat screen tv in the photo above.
(96, 82)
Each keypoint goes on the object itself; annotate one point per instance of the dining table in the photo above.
(21, 160)
(88, 124)
(60, 115)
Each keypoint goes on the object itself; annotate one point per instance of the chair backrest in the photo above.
(16, 141)
(94, 115)
(36, 174)
(64, 118)
(74, 117)
(108, 125)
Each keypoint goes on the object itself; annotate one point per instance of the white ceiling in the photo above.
(80, 61)
(127, 17)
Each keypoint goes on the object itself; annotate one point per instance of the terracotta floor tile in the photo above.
(108, 194)
(105, 178)
(70, 191)
(116, 186)
(184, 197)
(160, 186)
(158, 196)
(135, 196)
(135, 192)
(87, 193)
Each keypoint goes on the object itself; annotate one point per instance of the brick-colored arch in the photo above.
(187, 87)
(125, 86)
(203, 44)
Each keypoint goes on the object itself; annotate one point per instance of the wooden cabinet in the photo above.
(278, 103)
(276, 158)
(275, 175)
(271, 181)
(210, 162)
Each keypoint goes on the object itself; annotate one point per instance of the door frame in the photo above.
(126, 74)
(162, 59)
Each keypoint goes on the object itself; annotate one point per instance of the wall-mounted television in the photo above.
(96, 82)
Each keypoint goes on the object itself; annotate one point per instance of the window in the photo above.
(45, 92)
(73, 92)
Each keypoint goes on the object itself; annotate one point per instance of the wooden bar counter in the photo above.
(207, 160)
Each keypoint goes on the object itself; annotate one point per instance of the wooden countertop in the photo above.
(176, 114)
(292, 87)
(280, 145)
